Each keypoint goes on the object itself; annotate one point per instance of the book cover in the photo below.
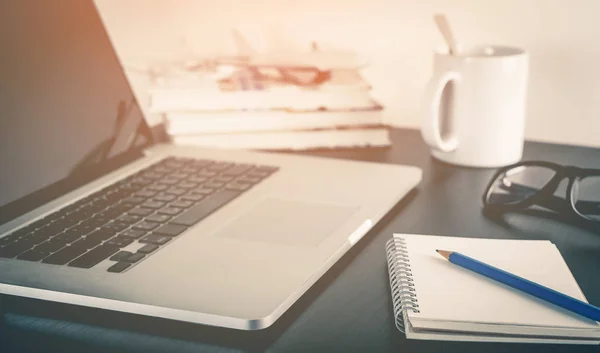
(292, 140)
(229, 121)
(343, 90)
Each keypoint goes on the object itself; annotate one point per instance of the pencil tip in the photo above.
(444, 253)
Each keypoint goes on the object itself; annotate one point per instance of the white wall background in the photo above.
(563, 37)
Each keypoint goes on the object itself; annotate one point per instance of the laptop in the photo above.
(96, 212)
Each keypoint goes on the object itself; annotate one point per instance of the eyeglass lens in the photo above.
(586, 197)
(518, 184)
(302, 77)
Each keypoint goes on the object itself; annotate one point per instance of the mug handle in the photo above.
(430, 127)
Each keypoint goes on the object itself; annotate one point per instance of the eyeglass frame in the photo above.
(545, 196)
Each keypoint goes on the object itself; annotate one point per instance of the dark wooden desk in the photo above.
(349, 309)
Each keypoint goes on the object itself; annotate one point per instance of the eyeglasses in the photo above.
(524, 184)
(250, 76)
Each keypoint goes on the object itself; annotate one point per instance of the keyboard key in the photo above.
(84, 213)
(41, 234)
(119, 267)
(213, 184)
(141, 181)
(266, 169)
(237, 186)
(135, 199)
(50, 246)
(119, 241)
(171, 211)
(116, 226)
(237, 170)
(122, 207)
(70, 222)
(153, 175)
(145, 193)
(110, 213)
(171, 230)
(28, 241)
(57, 226)
(190, 198)
(69, 236)
(203, 191)
(78, 215)
(223, 179)
(94, 256)
(88, 243)
(65, 255)
(9, 251)
(101, 234)
(95, 222)
(133, 234)
(35, 225)
(157, 187)
(205, 207)
(141, 211)
(183, 204)
(189, 169)
(32, 255)
(147, 249)
(159, 218)
(11, 238)
(178, 176)
(169, 181)
(82, 229)
(176, 191)
(155, 239)
(187, 185)
(248, 180)
(257, 174)
(173, 163)
(97, 206)
(23, 231)
(135, 257)
(145, 226)
(35, 237)
(162, 170)
(220, 166)
(197, 179)
(17, 247)
(206, 173)
(164, 198)
(200, 163)
(130, 219)
(153, 204)
(121, 256)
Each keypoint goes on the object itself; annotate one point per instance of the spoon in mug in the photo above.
(444, 27)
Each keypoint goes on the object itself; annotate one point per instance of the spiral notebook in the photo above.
(436, 300)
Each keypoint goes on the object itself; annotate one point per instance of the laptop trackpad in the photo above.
(288, 222)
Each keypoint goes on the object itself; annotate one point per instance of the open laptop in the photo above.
(95, 212)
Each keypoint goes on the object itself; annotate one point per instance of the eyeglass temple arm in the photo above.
(590, 172)
(556, 203)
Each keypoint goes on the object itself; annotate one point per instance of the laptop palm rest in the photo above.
(293, 223)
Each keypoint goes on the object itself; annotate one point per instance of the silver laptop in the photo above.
(95, 212)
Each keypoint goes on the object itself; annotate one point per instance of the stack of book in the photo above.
(243, 111)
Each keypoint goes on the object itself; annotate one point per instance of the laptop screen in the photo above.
(65, 104)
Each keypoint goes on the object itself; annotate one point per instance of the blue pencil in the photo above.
(522, 284)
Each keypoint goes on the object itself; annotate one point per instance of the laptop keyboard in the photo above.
(149, 208)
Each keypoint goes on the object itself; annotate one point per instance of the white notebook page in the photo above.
(453, 298)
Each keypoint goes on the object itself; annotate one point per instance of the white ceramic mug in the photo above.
(474, 106)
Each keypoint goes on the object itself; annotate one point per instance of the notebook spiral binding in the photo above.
(404, 297)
